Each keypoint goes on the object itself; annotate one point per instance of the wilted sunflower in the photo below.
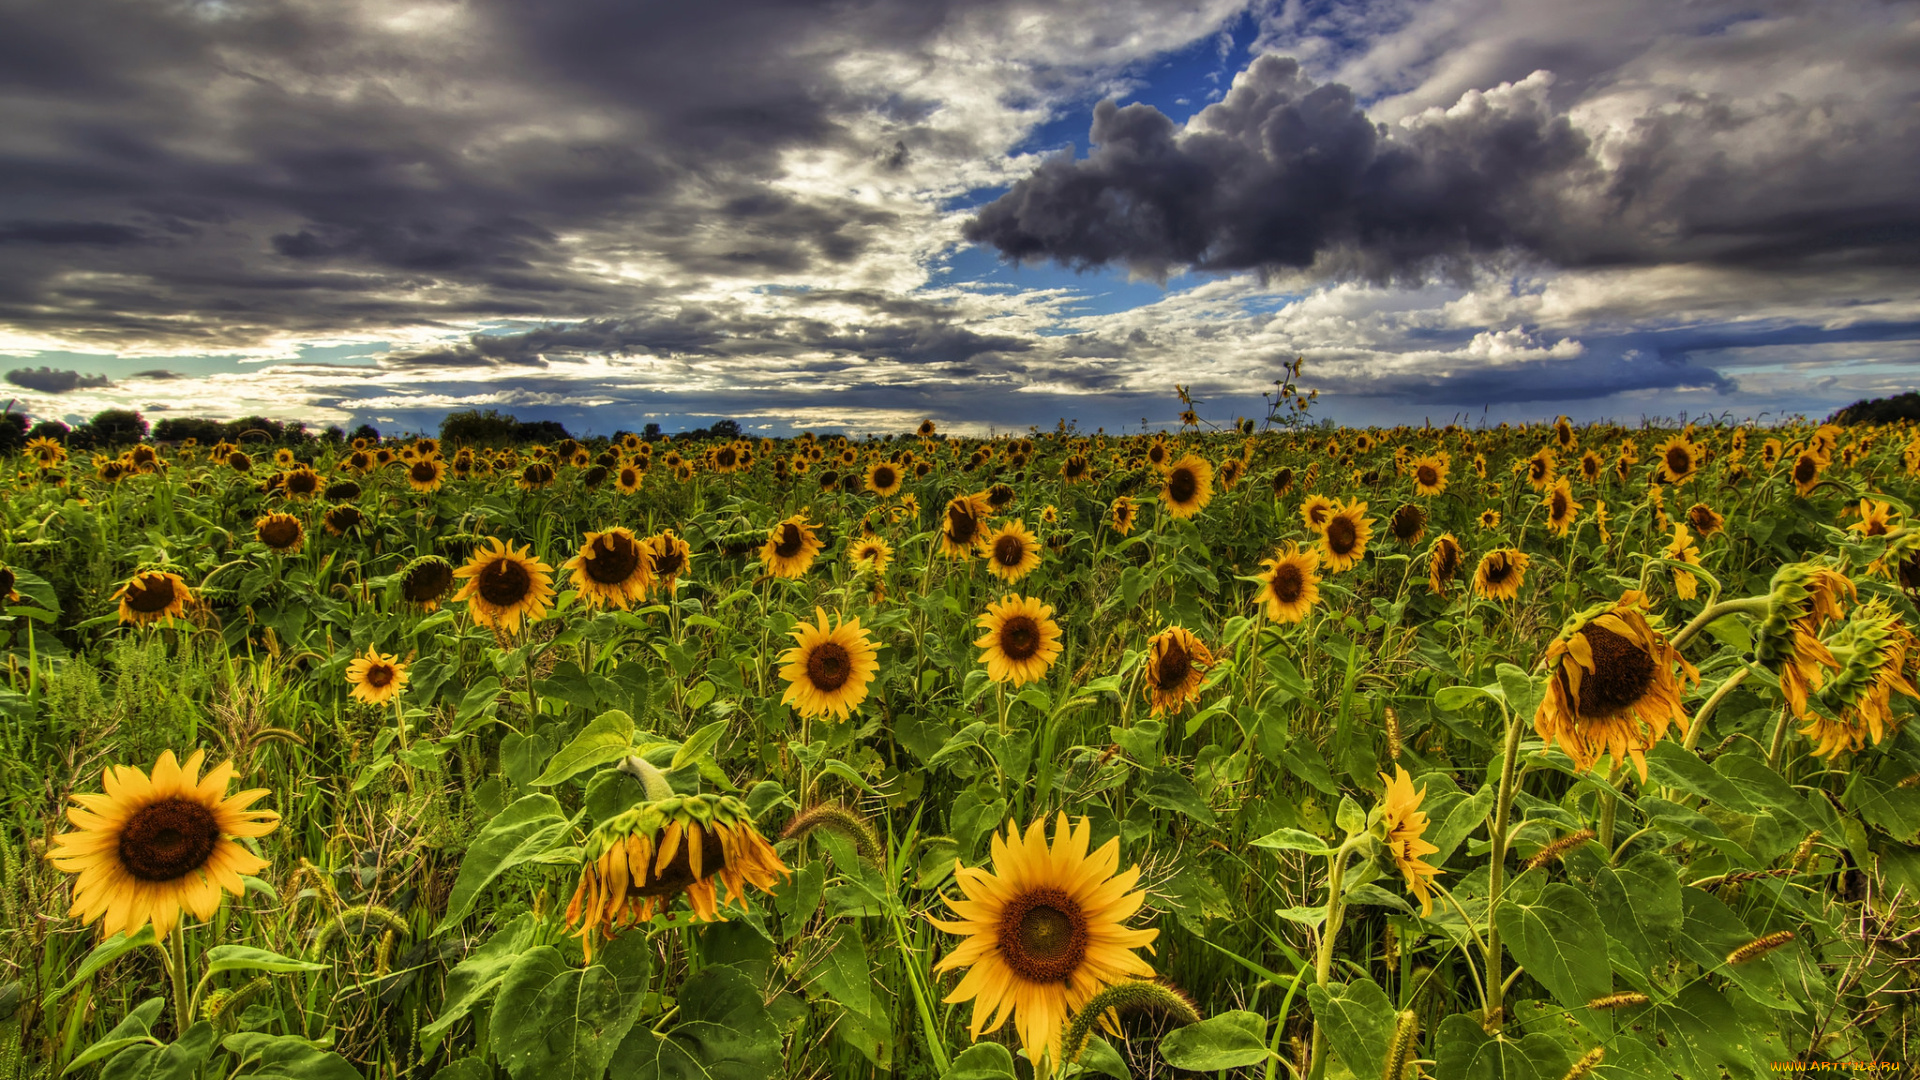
(1122, 515)
(1600, 520)
(426, 581)
(1611, 685)
(1282, 481)
(611, 568)
(791, 547)
(963, 525)
(884, 479)
(827, 672)
(152, 595)
(1343, 539)
(671, 555)
(536, 475)
(1561, 509)
(1290, 583)
(638, 861)
(1021, 640)
(282, 533)
(301, 483)
(151, 846)
(1408, 524)
(1315, 511)
(376, 678)
(1874, 648)
(1429, 475)
(1801, 599)
(1177, 664)
(1045, 931)
(1681, 549)
(1406, 828)
(1500, 573)
(1443, 563)
(506, 584)
(1012, 551)
(426, 474)
(1876, 519)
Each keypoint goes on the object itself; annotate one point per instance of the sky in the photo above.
(802, 214)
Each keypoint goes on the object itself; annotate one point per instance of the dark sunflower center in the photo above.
(1408, 523)
(239, 462)
(1008, 551)
(1320, 515)
(1342, 537)
(674, 878)
(1173, 668)
(1498, 569)
(791, 541)
(1043, 935)
(869, 553)
(1446, 560)
(1910, 573)
(504, 583)
(166, 840)
(1075, 467)
(303, 483)
(669, 561)
(1622, 673)
(629, 478)
(612, 560)
(1805, 469)
(1559, 506)
(1679, 462)
(428, 581)
(1427, 475)
(1288, 583)
(828, 666)
(1181, 485)
(725, 458)
(1020, 637)
(423, 472)
(884, 477)
(281, 532)
(379, 676)
(150, 594)
(961, 525)
(1537, 469)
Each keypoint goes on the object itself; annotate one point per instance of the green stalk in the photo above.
(1323, 959)
(1496, 869)
(1755, 606)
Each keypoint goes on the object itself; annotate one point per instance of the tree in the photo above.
(651, 432)
(724, 429)
(13, 430)
(546, 431)
(50, 429)
(274, 429)
(1880, 410)
(177, 429)
(471, 427)
(117, 427)
(367, 432)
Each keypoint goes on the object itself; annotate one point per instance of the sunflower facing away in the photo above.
(376, 678)
(1021, 640)
(153, 595)
(426, 581)
(1044, 931)
(791, 547)
(1343, 539)
(1406, 828)
(1443, 563)
(1611, 685)
(1290, 583)
(612, 568)
(1122, 515)
(1857, 701)
(1012, 551)
(151, 846)
(505, 584)
(1500, 573)
(670, 558)
(1177, 664)
(282, 533)
(827, 672)
(1561, 509)
(1188, 486)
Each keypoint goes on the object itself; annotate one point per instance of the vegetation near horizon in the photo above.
(1259, 748)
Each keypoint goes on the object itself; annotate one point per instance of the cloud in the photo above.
(55, 381)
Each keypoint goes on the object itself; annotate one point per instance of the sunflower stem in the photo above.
(1752, 605)
(175, 961)
(1496, 868)
(650, 777)
(1779, 744)
(1323, 959)
(1706, 710)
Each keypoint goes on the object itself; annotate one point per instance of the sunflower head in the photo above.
(872, 554)
(151, 596)
(1344, 536)
(671, 555)
(1807, 467)
(8, 579)
(1873, 649)
(426, 581)
(1403, 828)
(829, 667)
(791, 547)
(1020, 640)
(1012, 551)
(884, 479)
(1282, 481)
(1489, 519)
(282, 533)
(1443, 563)
(1561, 509)
(302, 483)
(963, 525)
(151, 846)
(1429, 475)
(505, 584)
(1177, 663)
(1500, 573)
(376, 678)
(1290, 583)
(612, 568)
(1876, 519)
(1679, 459)
(1122, 515)
(1408, 524)
(1611, 685)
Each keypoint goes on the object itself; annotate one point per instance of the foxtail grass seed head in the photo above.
(1805, 851)
(836, 818)
(1624, 1000)
(1406, 1028)
(1393, 734)
(1588, 1062)
(1759, 947)
(1134, 995)
(1559, 848)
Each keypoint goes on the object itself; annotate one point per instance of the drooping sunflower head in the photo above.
(1873, 650)
(1344, 536)
(1020, 640)
(1075, 468)
(1704, 520)
(1045, 930)
(829, 667)
(791, 547)
(505, 584)
(1404, 827)
(1500, 573)
(963, 526)
(302, 483)
(535, 476)
(1290, 583)
(151, 596)
(1443, 563)
(1408, 523)
(640, 860)
(1177, 664)
(151, 846)
(1561, 509)
(1282, 481)
(376, 678)
(426, 581)
(1612, 687)
(612, 568)
(671, 555)
(282, 533)
(1012, 551)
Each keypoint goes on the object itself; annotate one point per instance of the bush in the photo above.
(181, 428)
(1880, 410)
(471, 427)
(117, 427)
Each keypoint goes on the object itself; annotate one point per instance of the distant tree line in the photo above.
(1880, 410)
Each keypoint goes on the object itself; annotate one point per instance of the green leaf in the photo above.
(982, 1061)
(557, 1022)
(700, 745)
(606, 739)
(180, 1060)
(1455, 698)
(467, 1068)
(241, 958)
(134, 1028)
(1350, 817)
(475, 978)
(1230, 1040)
(1639, 904)
(286, 1057)
(1463, 1051)
(1359, 1022)
(1100, 1056)
(528, 828)
(845, 977)
(103, 954)
(1294, 840)
(1712, 931)
(1523, 690)
(1552, 937)
(1169, 790)
(724, 1033)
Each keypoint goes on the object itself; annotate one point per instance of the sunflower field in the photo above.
(1260, 749)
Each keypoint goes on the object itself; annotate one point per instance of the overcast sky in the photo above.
(852, 215)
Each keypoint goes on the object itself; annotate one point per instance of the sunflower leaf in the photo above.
(606, 739)
(982, 1061)
(701, 743)
(529, 828)
(134, 1028)
(243, 958)
(1230, 1040)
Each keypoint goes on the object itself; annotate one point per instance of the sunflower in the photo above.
(1176, 665)
(1682, 549)
(1074, 469)
(426, 474)
(1012, 551)
(1807, 467)
(283, 457)
(151, 846)
(376, 678)
(1857, 702)
(1406, 827)
(1611, 685)
(536, 475)
(671, 555)
(1315, 511)
(1408, 524)
(1021, 640)
(1044, 932)
(1876, 519)
(8, 579)
(1561, 509)
(45, 452)
(611, 568)
(506, 583)
(1443, 563)
(1489, 519)
(638, 861)
(152, 595)
(626, 480)
(1540, 468)
(1122, 515)
(1290, 585)
(1679, 459)
(1343, 540)
(961, 529)
(1282, 481)
(927, 429)
(827, 672)
(426, 581)
(791, 547)
(1500, 573)
(1592, 469)
(282, 533)
(1159, 453)
(1429, 475)
(301, 483)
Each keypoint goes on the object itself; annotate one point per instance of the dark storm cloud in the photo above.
(1286, 173)
(48, 380)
